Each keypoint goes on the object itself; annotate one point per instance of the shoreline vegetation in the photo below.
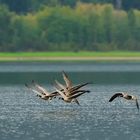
(70, 56)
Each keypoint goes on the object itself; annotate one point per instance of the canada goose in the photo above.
(68, 91)
(125, 96)
(71, 90)
(69, 99)
(41, 92)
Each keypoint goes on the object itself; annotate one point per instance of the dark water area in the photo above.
(98, 73)
(49, 77)
(23, 116)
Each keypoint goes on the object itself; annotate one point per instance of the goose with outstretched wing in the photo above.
(40, 91)
(71, 89)
(125, 96)
(69, 99)
(69, 92)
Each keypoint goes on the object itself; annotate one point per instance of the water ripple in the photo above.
(24, 116)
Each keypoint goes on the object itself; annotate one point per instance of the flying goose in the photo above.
(68, 95)
(69, 99)
(41, 92)
(69, 91)
(125, 96)
(69, 86)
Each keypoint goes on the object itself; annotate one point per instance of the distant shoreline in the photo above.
(70, 56)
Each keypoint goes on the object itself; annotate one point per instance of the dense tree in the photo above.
(5, 27)
(108, 23)
(27, 36)
(87, 26)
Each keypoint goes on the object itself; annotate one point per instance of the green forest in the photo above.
(69, 25)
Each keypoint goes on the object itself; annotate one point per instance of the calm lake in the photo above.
(23, 116)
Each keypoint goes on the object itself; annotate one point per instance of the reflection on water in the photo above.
(26, 117)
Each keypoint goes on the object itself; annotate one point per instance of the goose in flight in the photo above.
(70, 91)
(125, 96)
(67, 94)
(69, 99)
(40, 91)
(69, 86)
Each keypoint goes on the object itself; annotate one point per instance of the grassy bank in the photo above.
(44, 56)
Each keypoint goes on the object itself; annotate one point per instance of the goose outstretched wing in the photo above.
(35, 91)
(115, 96)
(40, 88)
(137, 104)
(67, 80)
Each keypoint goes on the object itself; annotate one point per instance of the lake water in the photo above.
(23, 116)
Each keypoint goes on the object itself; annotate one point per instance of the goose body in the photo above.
(69, 99)
(125, 96)
(69, 92)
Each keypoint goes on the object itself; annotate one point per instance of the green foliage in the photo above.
(27, 35)
(87, 26)
(5, 28)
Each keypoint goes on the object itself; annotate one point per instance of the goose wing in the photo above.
(137, 104)
(35, 91)
(54, 93)
(61, 93)
(76, 95)
(62, 87)
(67, 80)
(115, 96)
(78, 91)
(58, 85)
(79, 86)
(40, 88)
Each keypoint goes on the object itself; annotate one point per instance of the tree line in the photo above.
(86, 26)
